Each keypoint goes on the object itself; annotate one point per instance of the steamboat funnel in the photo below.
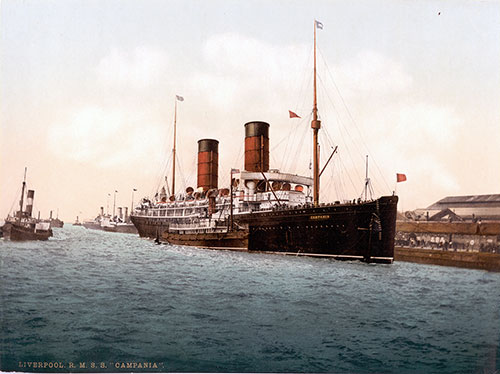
(257, 146)
(208, 161)
(29, 203)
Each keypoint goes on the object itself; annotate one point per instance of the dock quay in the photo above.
(473, 245)
(463, 259)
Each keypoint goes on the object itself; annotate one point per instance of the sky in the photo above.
(87, 95)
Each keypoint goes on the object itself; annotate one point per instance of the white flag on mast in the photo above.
(319, 25)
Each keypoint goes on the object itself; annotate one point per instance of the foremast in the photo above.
(315, 125)
(22, 196)
(177, 98)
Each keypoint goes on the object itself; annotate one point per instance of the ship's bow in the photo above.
(383, 250)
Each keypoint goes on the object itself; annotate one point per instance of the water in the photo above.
(106, 300)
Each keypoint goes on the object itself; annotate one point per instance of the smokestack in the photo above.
(125, 218)
(120, 212)
(208, 163)
(102, 211)
(29, 202)
(50, 217)
(257, 146)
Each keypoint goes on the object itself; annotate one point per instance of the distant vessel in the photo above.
(55, 222)
(77, 222)
(23, 226)
(266, 210)
(119, 223)
(111, 224)
(96, 223)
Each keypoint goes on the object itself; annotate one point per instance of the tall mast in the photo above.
(315, 125)
(173, 150)
(366, 179)
(368, 187)
(22, 195)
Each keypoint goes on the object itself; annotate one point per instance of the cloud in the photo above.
(418, 139)
(105, 137)
(371, 72)
(240, 55)
(244, 71)
(110, 130)
(421, 127)
(139, 68)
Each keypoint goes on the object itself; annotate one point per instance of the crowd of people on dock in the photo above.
(449, 242)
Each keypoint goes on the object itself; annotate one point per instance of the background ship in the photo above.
(77, 222)
(118, 223)
(54, 222)
(97, 222)
(22, 226)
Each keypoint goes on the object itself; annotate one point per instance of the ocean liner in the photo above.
(267, 210)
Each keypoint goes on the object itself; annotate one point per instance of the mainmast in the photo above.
(173, 150)
(315, 125)
(367, 180)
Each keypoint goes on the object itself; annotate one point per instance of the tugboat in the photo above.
(266, 210)
(23, 226)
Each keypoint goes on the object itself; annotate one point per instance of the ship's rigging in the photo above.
(345, 174)
(343, 177)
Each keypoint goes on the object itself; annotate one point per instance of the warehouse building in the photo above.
(456, 208)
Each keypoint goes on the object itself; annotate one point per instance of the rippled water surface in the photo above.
(106, 299)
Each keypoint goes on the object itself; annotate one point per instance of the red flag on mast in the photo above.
(293, 115)
(400, 177)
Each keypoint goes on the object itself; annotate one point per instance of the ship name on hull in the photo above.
(319, 217)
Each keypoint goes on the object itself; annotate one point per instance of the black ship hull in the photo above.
(363, 231)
